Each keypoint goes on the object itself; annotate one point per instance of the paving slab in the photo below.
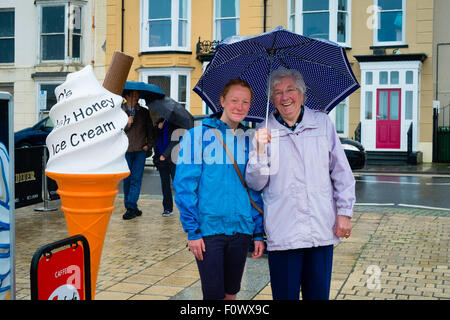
(393, 253)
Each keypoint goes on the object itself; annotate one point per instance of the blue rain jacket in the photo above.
(208, 192)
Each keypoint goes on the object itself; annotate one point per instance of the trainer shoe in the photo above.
(167, 213)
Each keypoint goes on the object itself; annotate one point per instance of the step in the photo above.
(387, 157)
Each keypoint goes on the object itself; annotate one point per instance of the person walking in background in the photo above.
(163, 161)
(140, 133)
(308, 188)
(215, 207)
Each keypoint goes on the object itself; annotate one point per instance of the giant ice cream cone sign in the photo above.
(87, 153)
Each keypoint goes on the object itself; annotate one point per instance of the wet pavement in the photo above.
(423, 168)
(393, 253)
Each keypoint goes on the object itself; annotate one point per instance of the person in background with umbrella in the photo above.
(140, 133)
(215, 207)
(163, 161)
(308, 189)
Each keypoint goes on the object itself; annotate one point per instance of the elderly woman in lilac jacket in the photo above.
(308, 189)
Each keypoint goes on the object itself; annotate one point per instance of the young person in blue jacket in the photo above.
(215, 209)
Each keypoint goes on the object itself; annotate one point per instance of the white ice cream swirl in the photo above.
(88, 134)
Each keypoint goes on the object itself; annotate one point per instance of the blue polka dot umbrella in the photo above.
(324, 65)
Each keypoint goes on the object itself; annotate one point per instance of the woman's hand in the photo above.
(197, 247)
(263, 137)
(259, 249)
(343, 227)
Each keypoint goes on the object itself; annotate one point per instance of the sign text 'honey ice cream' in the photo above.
(77, 138)
(89, 135)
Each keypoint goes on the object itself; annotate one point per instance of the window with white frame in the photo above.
(339, 115)
(325, 19)
(174, 82)
(60, 31)
(226, 18)
(390, 18)
(45, 96)
(165, 25)
(6, 36)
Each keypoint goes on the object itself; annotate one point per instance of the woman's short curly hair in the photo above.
(282, 72)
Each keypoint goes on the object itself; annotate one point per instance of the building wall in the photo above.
(419, 33)
(19, 73)
(251, 15)
(441, 35)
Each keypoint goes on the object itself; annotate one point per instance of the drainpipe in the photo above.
(264, 15)
(93, 35)
(123, 17)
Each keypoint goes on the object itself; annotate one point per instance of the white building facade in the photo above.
(41, 42)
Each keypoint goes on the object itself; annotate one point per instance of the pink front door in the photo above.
(388, 118)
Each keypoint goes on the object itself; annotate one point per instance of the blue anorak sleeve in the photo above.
(186, 183)
(258, 233)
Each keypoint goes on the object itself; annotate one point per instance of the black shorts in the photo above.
(223, 264)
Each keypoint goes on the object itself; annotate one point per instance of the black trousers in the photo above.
(166, 173)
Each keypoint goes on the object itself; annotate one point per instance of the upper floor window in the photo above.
(60, 32)
(6, 36)
(165, 25)
(325, 19)
(226, 19)
(173, 81)
(339, 115)
(390, 28)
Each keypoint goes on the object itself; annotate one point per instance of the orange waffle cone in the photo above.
(87, 201)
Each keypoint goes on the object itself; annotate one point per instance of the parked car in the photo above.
(356, 155)
(35, 135)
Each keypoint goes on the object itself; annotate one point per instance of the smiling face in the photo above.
(235, 103)
(287, 98)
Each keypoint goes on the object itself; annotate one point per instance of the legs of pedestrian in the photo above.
(223, 265)
(316, 276)
(308, 269)
(132, 184)
(285, 273)
(167, 173)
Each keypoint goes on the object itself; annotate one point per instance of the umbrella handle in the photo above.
(268, 90)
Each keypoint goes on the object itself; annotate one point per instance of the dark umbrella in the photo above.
(147, 91)
(323, 64)
(157, 101)
(172, 111)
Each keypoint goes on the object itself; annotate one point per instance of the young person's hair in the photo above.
(236, 82)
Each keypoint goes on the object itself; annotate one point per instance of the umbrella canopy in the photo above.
(157, 101)
(323, 64)
(147, 91)
(173, 112)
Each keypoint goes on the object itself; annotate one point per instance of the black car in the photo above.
(35, 135)
(356, 155)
